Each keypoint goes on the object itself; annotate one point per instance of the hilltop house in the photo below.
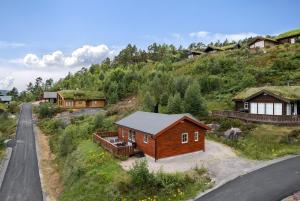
(4, 98)
(77, 99)
(158, 135)
(50, 97)
(289, 37)
(261, 42)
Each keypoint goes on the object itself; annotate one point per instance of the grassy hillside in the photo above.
(213, 77)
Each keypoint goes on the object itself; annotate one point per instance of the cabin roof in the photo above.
(81, 94)
(5, 98)
(3, 92)
(48, 94)
(285, 92)
(259, 38)
(291, 33)
(152, 123)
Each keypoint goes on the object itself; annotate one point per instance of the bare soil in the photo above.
(51, 181)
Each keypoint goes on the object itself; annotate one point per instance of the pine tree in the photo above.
(193, 102)
(175, 104)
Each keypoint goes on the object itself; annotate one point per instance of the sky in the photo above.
(50, 38)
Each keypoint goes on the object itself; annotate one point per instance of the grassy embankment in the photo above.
(7, 128)
(260, 141)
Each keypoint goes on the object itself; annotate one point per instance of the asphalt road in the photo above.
(271, 183)
(22, 181)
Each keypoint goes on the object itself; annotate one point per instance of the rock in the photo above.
(233, 133)
(213, 126)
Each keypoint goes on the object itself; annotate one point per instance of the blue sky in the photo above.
(42, 27)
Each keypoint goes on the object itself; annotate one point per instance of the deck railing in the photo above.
(119, 151)
(274, 119)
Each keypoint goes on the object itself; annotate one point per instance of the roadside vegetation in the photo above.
(90, 173)
(7, 124)
(259, 141)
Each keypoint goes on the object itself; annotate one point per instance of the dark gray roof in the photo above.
(151, 123)
(3, 92)
(5, 98)
(50, 94)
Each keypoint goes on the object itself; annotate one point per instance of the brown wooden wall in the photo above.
(239, 105)
(169, 143)
(79, 104)
(147, 148)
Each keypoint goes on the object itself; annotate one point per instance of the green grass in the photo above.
(7, 128)
(264, 142)
(81, 94)
(288, 34)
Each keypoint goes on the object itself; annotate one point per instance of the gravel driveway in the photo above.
(221, 161)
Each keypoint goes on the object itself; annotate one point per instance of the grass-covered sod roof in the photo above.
(286, 92)
(287, 34)
(81, 94)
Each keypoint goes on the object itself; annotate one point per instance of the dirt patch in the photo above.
(124, 106)
(51, 182)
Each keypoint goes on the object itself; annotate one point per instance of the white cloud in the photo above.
(85, 55)
(7, 82)
(208, 37)
(5, 44)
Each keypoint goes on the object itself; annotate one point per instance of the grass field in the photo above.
(265, 142)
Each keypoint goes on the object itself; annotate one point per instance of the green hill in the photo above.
(161, 77)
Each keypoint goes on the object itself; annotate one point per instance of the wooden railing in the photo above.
(274, 119)
(119, 151)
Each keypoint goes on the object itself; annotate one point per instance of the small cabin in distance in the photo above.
(78, 99)
(50, 97)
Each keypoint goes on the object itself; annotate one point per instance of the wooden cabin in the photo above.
(4, 98)
(289, 37)
(162, 135)
(50, 97)
(261, 42)
(270, 100)
(213, 49)
(78, 99)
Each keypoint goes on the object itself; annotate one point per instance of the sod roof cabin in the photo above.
(289, 37)
(163, 135)
(212, 49)
(80, 99)
(269, 100)
(262, 42)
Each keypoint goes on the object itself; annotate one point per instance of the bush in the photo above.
(47, 110)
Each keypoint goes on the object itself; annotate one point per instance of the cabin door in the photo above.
(131, 136)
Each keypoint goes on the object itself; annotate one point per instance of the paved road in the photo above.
(271, 183)
(22, 180)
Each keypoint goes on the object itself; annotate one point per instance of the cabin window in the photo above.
(196, 136)
(69, 103)
(145, 138)
(131, 136)
(95, 102)
(246, 105)
(184, 138)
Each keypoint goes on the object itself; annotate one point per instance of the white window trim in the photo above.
(145, 138)
(123, 134)
(196, 136)
(246, 105)
(187, 138)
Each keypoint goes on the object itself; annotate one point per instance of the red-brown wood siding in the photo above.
(169, 143)
(147, 148)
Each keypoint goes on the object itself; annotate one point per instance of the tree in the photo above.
(148, 102)
(193, 102)
(48, 84)
(175, 104)
(14, 93)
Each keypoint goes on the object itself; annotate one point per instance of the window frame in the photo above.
(196, 133)
(145, 139)
(182, 138)
(246, 105)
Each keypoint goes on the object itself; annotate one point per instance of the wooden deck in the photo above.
(119, 151)
(273, 119)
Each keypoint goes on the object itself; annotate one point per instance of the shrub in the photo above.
(47, 110)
